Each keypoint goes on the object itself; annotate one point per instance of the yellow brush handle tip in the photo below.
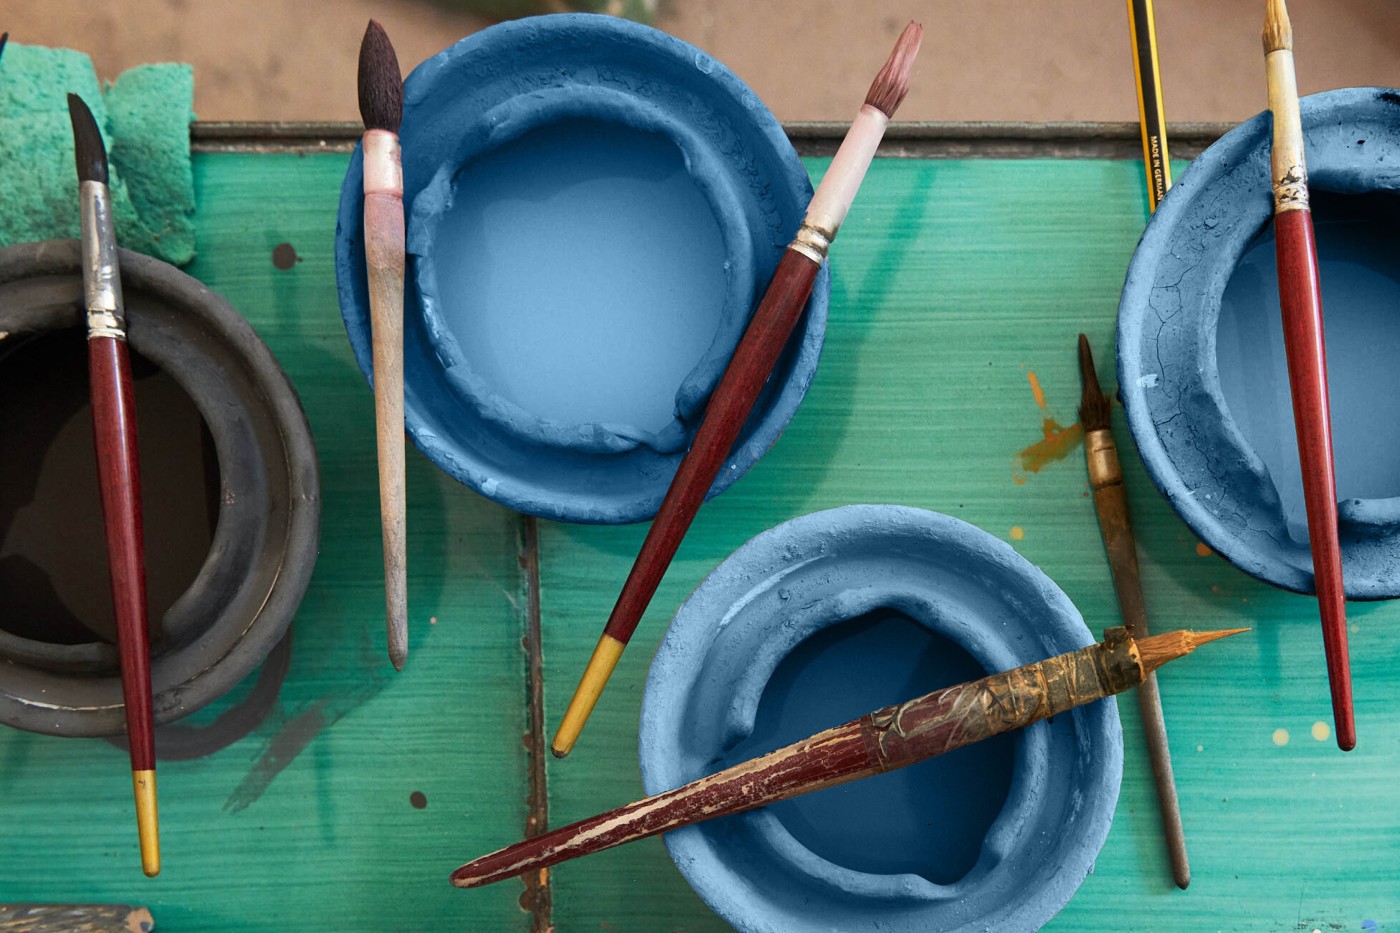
(590, 687)
(147, 820)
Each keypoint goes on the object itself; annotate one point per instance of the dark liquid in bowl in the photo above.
(54, 586)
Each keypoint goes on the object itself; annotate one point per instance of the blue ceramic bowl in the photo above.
(1201, 367)
(594, 208)
(832, 615)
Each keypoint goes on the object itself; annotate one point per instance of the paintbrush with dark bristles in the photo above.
(1111, 504)
(118, 471)
(381, 106)
(4, 37)
(1300, 301)
(887, 739)
(753, 361)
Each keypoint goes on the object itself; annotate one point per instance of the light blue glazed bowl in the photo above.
(826, 618)
(594, 208)
(1201, 367)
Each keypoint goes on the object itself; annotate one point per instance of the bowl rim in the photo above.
(1210, 507)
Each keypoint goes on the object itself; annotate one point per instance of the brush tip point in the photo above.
(89, 151)
(891, 85)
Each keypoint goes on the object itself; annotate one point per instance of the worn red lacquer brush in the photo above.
(887, 739)
(381, 106)
(743, 379)
(1300, 297)
(118, 472)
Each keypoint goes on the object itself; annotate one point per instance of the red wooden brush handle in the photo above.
(114, 430)
(1301, 301)
(728, 409)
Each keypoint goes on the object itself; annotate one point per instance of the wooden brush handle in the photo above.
(728, 409)
(887, 739)
(1301, 299)
(384, 259)
(118, 474)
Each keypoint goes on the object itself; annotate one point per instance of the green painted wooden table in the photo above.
(959, 286)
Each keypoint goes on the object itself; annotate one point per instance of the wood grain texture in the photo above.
(75, 918)
(953, 281)
(384, 261)
(308, 824)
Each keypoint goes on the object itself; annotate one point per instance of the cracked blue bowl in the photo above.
(1201, 367)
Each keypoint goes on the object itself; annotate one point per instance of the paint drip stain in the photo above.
(1321, 731)
(1280, 737)
(1017, 533)
(418, 800)
(284, 256)
(1203, 549)
(1055, 444)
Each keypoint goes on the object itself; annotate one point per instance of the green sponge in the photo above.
(145, 118)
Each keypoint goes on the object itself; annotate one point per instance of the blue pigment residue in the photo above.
(1358, 238)
(583, 273)
(928, 819)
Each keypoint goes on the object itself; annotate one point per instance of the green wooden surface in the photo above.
(953, 282)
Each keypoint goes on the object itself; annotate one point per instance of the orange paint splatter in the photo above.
(1056, 442)
(1036, 390)
(1202, 549)
(1056, 445)
(1017, 533)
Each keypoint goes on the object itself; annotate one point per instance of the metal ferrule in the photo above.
(1102, 456)
(813, 242)
(102, 285)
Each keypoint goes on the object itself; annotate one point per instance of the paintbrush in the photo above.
(1111, 504)
(118, 472)
(381, 106)
(881, 741)
(1105, 473)
(1300, 298)
(1157, 163)
(743, 378)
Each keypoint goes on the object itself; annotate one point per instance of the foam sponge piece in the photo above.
(144, 118)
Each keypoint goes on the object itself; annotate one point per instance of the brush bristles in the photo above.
(88, 150)
(1156, 650)
(4, 37)
(1094, 406)
(381, 82)
(891, 85)
(1278, 31)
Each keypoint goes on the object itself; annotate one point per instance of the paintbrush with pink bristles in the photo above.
(743, 379)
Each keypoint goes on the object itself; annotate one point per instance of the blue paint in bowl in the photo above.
(828, 617)
(594, 208)
(1201, 366)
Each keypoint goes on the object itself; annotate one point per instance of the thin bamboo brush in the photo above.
(745, 375)
(881, 741)
(381, 106)
(1300, 297)
(1111, 505)
(1142, 26)
(118, 470)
